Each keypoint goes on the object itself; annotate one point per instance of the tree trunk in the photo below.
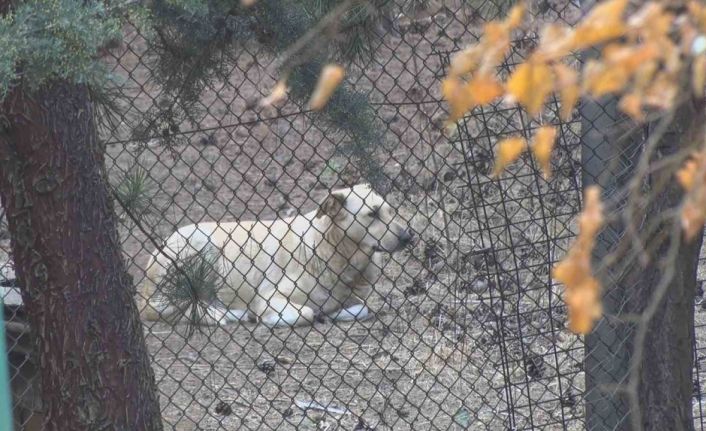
(95, 368)
(665, 389)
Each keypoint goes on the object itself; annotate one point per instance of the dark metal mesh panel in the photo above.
(468, 328)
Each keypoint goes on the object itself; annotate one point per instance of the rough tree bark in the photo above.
(95, 368)
(665, 388)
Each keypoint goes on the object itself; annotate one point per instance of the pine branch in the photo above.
(194, 47)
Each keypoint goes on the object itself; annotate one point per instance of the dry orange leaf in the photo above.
(686, 175)
(542, 146)
(555, 41)
(631, 104)
(602, 24)
(330, 78)
(591, 218)
(644, 75)
(692, 219)
(508, 151)
(600, 79)
(530, 85)
(582, 294)
(465, 61)
(516, 15)
(455, 92)
(692, 177)
(569, 91)
(483, 89)
(584, 306)
(279, 92)
(629, 57)
(698, 12)
(651, 21)
(662, 92)
(494, 46)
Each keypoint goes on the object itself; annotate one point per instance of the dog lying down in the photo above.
(289, 271)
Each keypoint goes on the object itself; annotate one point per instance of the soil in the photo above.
(468, 329)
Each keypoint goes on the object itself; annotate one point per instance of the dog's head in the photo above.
(365, 217)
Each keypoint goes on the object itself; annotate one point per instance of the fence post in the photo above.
(5, 410)
(607, 354)
(608, 158)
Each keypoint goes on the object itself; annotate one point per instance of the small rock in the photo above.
(267, 367)
(223, 409)
(418, 287)
(450, 176)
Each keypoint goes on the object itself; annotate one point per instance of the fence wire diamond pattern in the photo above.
(467, 329)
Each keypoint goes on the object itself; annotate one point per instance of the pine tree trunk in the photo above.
(95, 368)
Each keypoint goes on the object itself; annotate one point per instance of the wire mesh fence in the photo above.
(467, 328)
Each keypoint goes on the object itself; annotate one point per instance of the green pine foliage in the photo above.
(192, 286)
(45, 40)
(194, 46)
(195, 43)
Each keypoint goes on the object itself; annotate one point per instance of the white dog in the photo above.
(286, 272)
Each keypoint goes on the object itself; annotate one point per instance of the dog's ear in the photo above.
(332, 206)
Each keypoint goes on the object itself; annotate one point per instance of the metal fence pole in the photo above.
(5, 410)
(606, 365)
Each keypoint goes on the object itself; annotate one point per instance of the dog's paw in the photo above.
(354, 312)
(236, 315)
(289, 316)
(216, 316)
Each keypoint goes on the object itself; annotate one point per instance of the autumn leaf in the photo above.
(455, 93)
(494, 46)
(602, 24)
(584, 306)
(644, 76)
(542, 146)
(516, 15)
(508, 151)
(631, 104)
(555, 41)
(692, 219)
(569, 91)
(698, 11)
(662, 92)
(484, 89)
(692, 177)
(583, 291)
(530, 85)
(330, 78)
(686, 175)
(465, 61)
(651, 21)
(630, 57)
(278, 93)
(600, 79)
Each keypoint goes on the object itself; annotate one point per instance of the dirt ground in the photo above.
(462, 332)
(468, 328)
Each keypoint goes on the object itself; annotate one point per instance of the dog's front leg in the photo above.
(352, 309)
(275, 309)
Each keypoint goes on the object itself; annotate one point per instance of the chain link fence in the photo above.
(468, 328)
